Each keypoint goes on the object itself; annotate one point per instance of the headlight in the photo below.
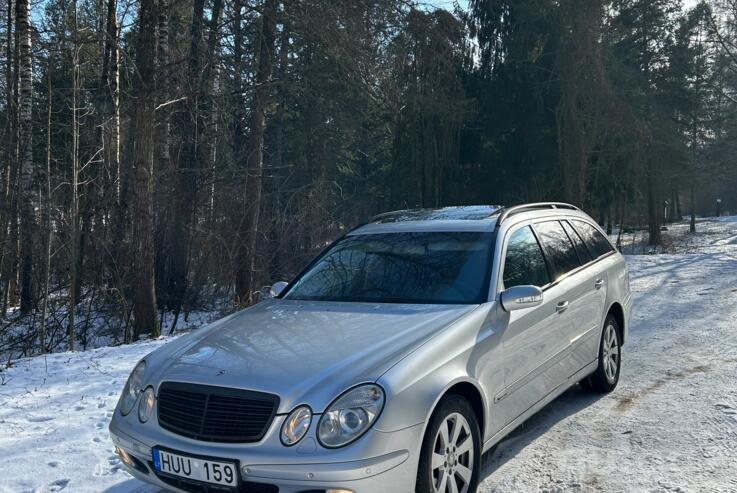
(350, 416)
(132, 389)
(296, 425)
(147, 404)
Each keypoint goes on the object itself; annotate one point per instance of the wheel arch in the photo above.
(470, 391)
(617, 311)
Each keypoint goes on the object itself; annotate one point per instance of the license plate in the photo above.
(205, 470)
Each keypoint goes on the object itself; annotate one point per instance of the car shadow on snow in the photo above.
(569, 403)
(133, 486)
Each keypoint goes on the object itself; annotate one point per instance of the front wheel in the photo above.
(451, 450)
(606, 376)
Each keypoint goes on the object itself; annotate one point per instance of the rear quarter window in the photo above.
(581, 248)
(558, 247)
(596, 242)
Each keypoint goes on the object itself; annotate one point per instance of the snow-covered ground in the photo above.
(671, 425)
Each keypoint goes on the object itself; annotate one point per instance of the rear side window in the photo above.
(524, 263)
(583, 251)
(597, 243)
(558, 247)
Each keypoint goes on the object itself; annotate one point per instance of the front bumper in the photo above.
(379, 462)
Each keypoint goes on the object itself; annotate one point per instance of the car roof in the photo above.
(453, 213)
(461, 218)
(455, 218)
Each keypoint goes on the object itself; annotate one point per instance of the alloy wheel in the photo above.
(610, 353)
(452, 457)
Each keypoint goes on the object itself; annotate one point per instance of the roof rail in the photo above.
(386, 214)
(517, 209)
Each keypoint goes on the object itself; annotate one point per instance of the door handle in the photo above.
(561, 307)
(599, 283)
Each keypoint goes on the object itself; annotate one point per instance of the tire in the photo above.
(606, 376)
(448, 456)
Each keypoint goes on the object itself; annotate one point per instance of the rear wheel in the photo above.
(606, 376)
(451, 450)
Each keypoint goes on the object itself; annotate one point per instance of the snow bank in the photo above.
(54, 414)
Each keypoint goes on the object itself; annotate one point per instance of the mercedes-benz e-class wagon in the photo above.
(402, 353)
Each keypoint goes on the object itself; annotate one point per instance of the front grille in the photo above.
(199, 487)
(215, 414)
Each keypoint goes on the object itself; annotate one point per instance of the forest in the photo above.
(165, 157)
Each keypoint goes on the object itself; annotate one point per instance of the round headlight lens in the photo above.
(350, 416)
(296, 425)
(132, 389)
(146, 405)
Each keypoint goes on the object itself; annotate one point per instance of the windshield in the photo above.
(441, 267)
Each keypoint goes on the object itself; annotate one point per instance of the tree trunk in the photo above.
(25, 146)
(677, 213)
(210, 74)
(145, 318)
(13, 281)
(653, 209)
(185, 198)
(163, 82)
(692, 224)
(74, 233)
(255, 153)
(581, 94)
(47, 217)
(10, 158)
(622, 203)
(111, 134)
(110, 113)
(276, 244)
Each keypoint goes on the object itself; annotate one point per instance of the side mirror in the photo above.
(520, 297)
(277, 288)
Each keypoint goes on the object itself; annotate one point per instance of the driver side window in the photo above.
(524, 263)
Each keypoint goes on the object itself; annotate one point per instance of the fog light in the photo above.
(124, 456)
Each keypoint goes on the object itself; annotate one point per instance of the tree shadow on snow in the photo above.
(569, 403)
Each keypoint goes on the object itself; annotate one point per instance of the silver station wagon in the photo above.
(402, 353)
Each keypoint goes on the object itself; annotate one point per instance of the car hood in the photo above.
(306, 352)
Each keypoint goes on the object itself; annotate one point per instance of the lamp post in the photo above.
(719, 207)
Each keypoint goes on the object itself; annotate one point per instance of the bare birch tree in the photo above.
(74, 213)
